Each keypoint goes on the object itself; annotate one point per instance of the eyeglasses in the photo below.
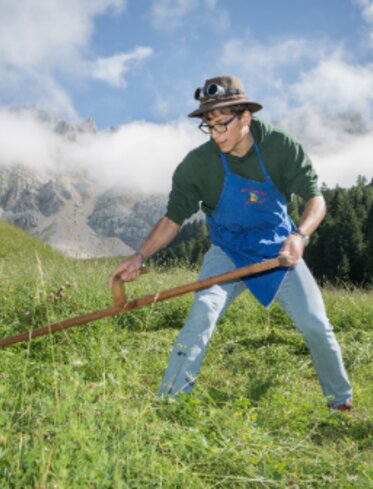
(219, 128)
(215, 91)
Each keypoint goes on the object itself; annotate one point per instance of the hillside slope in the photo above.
(15, 242)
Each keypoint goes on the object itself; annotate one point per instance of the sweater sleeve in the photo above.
(298, 175)
(184, 198)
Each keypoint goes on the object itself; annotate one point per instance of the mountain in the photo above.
(126, 216)
(75, 214)
(69, 208)
(59, 126)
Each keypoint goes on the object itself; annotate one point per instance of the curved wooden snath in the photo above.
(120, 305)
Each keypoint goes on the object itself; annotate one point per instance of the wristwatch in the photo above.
(306, 237)
(138, 253)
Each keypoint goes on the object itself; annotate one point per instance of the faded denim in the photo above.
(299, 295)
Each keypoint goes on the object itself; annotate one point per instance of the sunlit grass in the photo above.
(79, 409)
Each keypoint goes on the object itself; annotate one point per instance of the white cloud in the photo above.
(40, 40)
(271, 56)
(344, 163)
(268, 68)
(316, 91)
(168, 14)
(367, 9)
(113, 69)
(340, 146)
(143, 156)
(337, 86)
(35, 87)
(367, 13)
(27, 141)
(171, 14)
(297, 72)
(35, 32)
(140, 155)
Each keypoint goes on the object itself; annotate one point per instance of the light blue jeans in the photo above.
(299, 295)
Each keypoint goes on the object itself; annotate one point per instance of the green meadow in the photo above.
(78, 409)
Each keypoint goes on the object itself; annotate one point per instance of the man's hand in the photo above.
(314, 213)
(292, 249)
(128, 269)
(160, 236)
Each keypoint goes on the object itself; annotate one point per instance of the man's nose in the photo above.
(214, 133)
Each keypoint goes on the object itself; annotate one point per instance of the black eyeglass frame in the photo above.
(207, 128)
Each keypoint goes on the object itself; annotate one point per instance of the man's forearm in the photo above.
(161, 235)
(313, 215)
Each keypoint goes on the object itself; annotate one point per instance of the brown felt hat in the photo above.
(222, 91)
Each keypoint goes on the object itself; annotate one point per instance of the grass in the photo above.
(78, 409)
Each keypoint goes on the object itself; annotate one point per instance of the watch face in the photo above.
(306, 238)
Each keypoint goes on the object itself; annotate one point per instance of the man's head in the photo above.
(229, 128)
(226, 113)
(221, 93)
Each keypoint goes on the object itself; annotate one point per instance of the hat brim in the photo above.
(216, 104)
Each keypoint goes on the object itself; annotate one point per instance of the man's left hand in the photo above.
(292, 249)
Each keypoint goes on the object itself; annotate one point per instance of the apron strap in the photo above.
(262, 165)
(225, 163)
(259, 155)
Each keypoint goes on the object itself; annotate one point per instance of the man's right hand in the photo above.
(161, 235)
(128, 269)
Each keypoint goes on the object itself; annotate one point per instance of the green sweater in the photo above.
(198, 180)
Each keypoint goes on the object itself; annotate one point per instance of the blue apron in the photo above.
(250, 223)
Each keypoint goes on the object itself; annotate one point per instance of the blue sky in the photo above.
(126, 61)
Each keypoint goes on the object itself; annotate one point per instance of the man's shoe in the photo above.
(347, 407)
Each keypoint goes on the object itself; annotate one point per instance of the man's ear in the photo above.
(246, 117)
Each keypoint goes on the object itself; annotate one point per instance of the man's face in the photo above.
(235, 139)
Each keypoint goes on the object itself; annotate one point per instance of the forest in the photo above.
(340, 251)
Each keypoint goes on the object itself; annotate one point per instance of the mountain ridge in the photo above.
(77, 216)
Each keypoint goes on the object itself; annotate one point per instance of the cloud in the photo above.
(268, 69)
(171, 14)
(316, 91)
(367, 10)
(292, 73)
(113, 69)
(346, 162)
(40, 41)
(140, 156)
(337, 86)
(340, 145)
(36, 87)
(35, 32)
(367, 13)
(25, 140)
(271, 56)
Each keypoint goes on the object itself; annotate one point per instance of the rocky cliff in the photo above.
(75, 214)
(66, 206)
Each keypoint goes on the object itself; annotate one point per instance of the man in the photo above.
(242, 178)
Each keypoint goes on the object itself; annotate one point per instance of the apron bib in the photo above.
(250, 224)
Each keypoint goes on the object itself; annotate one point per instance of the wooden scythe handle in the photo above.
(117, 289)
(120, 304)
(119, 297)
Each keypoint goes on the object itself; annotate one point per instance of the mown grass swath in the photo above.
(78, 409)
